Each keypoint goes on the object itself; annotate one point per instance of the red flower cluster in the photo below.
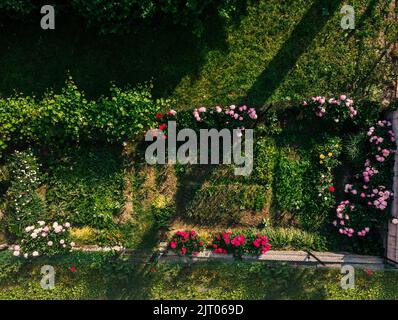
(261, 243)
(186, 243)
(226, 242)
(221, 242)
(238, 240)
(163, 118)
(331, 189)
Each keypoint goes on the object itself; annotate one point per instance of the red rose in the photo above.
(73, 269)
(159, 116)
(331, 189)
(162, 126)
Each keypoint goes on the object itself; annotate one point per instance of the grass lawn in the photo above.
(99, 276)
(272, 52)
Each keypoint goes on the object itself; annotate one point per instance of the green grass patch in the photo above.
(100, 276)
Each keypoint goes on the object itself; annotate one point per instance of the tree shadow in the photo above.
(33, 60)
(297, 43)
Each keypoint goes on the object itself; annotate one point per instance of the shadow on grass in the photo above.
(297, 43)
(33, 60)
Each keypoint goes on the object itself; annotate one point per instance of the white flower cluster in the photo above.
(43, 234)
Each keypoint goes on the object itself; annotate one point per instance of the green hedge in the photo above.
(69, 117)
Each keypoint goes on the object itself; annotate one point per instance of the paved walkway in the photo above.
(317, 259)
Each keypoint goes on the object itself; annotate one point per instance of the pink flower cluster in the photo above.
(261, 242)
(343, 217)
(321, 107)
(197, 112)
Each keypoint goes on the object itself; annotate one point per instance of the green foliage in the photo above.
(354, 148)
(86, 186)
(69, 117)
(16, 119)
(17, 6)
(224, 204)
(23, 204)
(264, 161)
(294, 239)
(289, 185)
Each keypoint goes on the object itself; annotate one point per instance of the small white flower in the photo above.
(50, 243)
(62, 241)
(35, 253)
(16, 253)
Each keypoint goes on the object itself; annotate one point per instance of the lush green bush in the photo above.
(85, 186)
(289, 187)
(69, 117)
(264, 161)
(23, 204)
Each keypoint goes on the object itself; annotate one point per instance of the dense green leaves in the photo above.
(69, 117)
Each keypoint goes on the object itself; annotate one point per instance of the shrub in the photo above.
(258, 245)
(44, 239)
(121, 16)
(69, 117)
(86, 186)
(186, 243)
(334, 112)
(23, 205)
(264, 161)
(370, 192)
(226, 242)
(16, 121)
(288, 180)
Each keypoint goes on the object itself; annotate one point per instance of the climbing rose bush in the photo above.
(369, 192)
(230, 117)
(186, 243)
(44, 239)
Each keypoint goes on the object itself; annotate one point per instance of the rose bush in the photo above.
(335, 111)
(186, 243)
(369, 193)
